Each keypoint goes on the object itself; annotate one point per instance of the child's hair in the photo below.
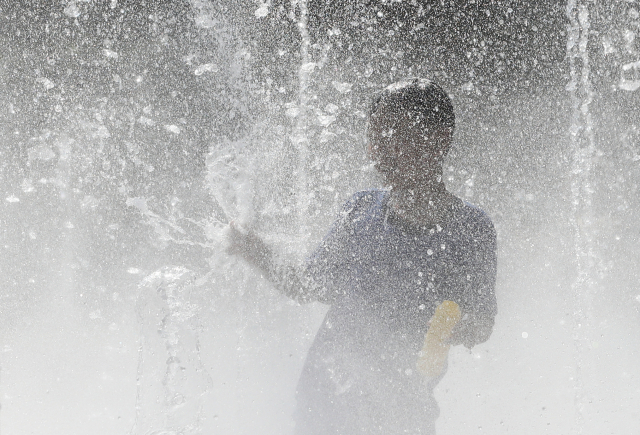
(423, 100)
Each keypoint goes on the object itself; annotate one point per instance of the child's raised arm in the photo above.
(291, 280)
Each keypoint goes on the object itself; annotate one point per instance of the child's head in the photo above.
(411, 125)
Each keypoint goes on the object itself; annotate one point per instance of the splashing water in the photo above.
(583, 147)
(300, 138)
(169, 352)
(236, 171)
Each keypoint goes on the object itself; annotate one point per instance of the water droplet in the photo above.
(262, 11)
(172, 129)
(308, 67)
(72, 10)
(109, 53)
(342, 87)
(48, 84)
(207, 67)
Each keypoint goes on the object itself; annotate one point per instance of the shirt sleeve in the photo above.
(478, 300)
(329, 264)
(321, 277)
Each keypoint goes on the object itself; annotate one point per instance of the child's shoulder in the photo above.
(362, 201)
(474, 217)
(366, 196)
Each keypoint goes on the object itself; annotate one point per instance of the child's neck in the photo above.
(429, 205)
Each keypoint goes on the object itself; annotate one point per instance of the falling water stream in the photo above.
(583, 149)
(172, 381)
(300, 137)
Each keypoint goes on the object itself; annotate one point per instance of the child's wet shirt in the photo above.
(384, 279)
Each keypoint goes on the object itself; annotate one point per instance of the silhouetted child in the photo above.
(390, 259)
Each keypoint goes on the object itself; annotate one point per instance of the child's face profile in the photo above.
(404, 152)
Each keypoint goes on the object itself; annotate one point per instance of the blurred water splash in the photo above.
(630, 76)
(172, 381)
(231, 184)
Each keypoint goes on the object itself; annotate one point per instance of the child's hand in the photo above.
(458, 334)
(471, 330)
(248, 245)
